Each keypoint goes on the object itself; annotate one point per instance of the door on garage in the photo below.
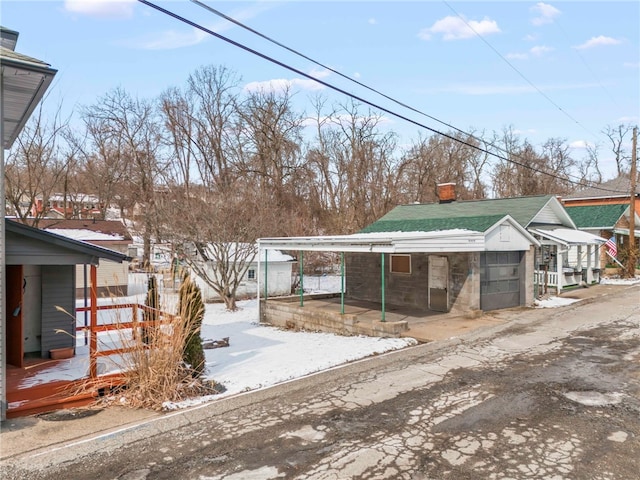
(438, 279)
(500, 279)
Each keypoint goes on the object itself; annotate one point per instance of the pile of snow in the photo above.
(620, 281)
(554, 302)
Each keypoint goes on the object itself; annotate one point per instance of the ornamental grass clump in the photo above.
(162, 359)
(191, 311)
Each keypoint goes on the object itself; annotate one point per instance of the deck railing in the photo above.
(136, 324)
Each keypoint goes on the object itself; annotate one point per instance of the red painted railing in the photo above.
(135, 325)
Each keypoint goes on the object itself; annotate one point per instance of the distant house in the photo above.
(279, 276)
(457, 255)
(605, 208)
(113, 278)
(81, 206)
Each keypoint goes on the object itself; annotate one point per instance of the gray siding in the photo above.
(58, 288)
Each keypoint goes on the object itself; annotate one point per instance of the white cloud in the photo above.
(456, 28)
(631, 64)
(372, 21)
(597, 42)
(536, 51)
(530, 37)
(540, 50)
(283, 84)
(101, 8)
(545, 13)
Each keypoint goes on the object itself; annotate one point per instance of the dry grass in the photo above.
(153, 368)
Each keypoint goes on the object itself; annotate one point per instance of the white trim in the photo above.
(386, 242)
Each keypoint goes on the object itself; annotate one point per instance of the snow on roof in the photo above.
(84, 235)
(275, 256)
(571, 237)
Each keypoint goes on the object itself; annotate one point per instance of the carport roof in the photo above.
(455, 240)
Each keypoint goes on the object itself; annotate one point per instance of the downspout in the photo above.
(93, 343)
(3, 297)
(266, 291)
(301, 264)
(382, 296)
(86, 313)
(341, 283)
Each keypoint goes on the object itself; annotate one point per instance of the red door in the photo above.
(15, 341)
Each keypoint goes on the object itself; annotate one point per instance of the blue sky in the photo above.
(559, 69)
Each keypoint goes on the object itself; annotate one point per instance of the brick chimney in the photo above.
(446, 192)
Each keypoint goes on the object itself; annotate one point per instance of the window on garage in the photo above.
(400, 264)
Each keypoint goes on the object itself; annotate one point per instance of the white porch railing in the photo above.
(552, 278)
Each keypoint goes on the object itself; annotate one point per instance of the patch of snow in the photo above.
(554, 302)
(83, 234)
(620, 281)
(259, 356)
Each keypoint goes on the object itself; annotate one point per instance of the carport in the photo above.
(346, 313)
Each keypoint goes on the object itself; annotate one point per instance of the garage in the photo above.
(501, 279)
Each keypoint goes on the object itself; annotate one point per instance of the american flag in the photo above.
(612, 248)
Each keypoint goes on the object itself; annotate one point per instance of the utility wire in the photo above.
(356, 97)
(513, 67)
(351, 79)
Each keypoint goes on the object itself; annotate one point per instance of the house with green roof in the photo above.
(611, 197)
(460, 256)
(606, 221)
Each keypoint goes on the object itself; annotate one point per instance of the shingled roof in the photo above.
(596, 216)
(618, 187)
(476, 215)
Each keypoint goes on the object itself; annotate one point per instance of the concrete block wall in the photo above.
(363, 280)
(291, 316)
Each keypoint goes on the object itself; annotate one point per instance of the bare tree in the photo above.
(128, 130)
(36, 167)
(618, 136)
(355, 167)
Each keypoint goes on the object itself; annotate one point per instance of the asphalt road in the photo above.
(552, 394)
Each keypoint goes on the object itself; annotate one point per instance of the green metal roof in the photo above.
(477, 215)
(596, 216)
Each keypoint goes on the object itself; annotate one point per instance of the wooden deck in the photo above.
(24, 398)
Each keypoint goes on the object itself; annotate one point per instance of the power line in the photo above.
(515, 69)
(295, 52)
(357, 97)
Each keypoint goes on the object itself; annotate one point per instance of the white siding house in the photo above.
(278, 279)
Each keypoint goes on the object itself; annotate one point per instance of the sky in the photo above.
(565, 69)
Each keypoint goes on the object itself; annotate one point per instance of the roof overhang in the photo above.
(387, 242)
(569, 237)
(24, 83)
(77, 249)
